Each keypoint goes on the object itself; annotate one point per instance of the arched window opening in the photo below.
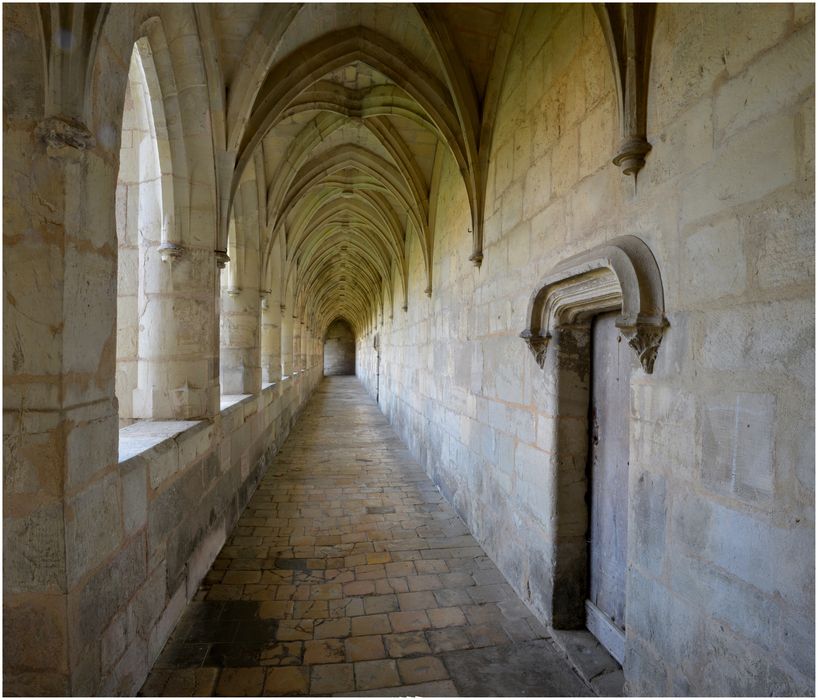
(139, 222)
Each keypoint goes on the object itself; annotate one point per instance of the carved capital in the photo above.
(537, 344)
(64, 132)
(170, 252)
(222, 258)
(645, 341)
(476, 258)
(428, 291)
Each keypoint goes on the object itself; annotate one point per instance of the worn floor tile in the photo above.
(370, 675)
(348, 573)
(526, 669)
(422, 670)
(365, 648)
(240, 682)
(334, 678)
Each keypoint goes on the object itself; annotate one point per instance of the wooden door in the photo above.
(609, 416)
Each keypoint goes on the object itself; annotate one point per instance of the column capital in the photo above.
(170, 251)
(222, 258)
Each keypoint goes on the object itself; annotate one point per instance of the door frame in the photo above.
(619, 275)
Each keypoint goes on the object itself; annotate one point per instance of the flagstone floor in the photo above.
(348, 574)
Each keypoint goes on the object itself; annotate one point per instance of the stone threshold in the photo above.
(591, 661)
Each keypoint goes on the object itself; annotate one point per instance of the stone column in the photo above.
(286, 343)
(240, 369)
(240, 351)
(270, 338)
(298, 359)
(308, 358)
(313, 354)
(176, 327)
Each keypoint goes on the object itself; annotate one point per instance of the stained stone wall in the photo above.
(720, 580)
(339, 349)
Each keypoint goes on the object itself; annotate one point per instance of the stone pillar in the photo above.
(286, 343)
(298, 359)
(309, 349)
(314, 349)
(270, 338)
(240, 350)
(240, 368)
(176, 328)
(60, 423)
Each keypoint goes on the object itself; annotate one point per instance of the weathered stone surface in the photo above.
(534, 668)
(94, 605)
(93, 526)
(46, 613)
(134, 496)
(34, 547)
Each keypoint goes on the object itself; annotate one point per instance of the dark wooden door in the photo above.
(609, 418)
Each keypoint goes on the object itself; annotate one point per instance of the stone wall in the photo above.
(720, 582)
(339, 349)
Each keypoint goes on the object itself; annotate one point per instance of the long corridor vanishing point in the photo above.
(348, 573)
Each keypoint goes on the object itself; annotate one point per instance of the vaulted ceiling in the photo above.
(337, 118)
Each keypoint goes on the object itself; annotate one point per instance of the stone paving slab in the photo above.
(349, 574)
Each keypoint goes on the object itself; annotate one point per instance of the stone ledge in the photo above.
(138, 438)
(230, 402)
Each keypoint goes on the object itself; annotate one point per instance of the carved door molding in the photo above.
(620, 274)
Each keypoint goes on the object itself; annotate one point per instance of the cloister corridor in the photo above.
(348, 573)
(409, 349)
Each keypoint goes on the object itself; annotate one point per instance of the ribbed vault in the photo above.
(335, 130)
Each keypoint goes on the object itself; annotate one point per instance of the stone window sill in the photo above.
(230, 400)
(143, 436)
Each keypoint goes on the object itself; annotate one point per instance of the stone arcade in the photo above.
(568, 251)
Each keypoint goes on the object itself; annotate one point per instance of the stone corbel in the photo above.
(628, 32)
(645, 341)
(170, 252)
(265, 301)
(61, 133)
(222, 258)
(621, 274)
(537, 344)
